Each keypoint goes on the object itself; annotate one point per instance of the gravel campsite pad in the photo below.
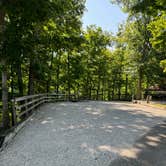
(90, 134)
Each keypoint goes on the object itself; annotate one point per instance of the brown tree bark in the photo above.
(109, 91)
(5, 111)
(12, 82)
(126, 87)
(20, 81)
(113, 89)
(98, 86)
(49, 75)
(31, 79)
(68, 76)
(139, 86)
(119, 86)
(57, 78)
(58, 72)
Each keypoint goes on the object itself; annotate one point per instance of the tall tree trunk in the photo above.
(5, 111)
(87, 88)
(126, 87)
(103, 88)
(119, 87)
(57, 78)
(98, 86)
(31, 79)
(98, 91)
(68, 76)
(102, 94)
(109, 91)
(49, 76)
(58, 73)
(12, 82)
(139, 86)
(119, 92)
(90, 97)
(20, 81)
(113, 89)
(48, 86)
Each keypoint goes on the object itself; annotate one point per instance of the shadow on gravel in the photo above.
(151, 149)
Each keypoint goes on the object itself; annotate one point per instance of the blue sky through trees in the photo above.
(103, 14)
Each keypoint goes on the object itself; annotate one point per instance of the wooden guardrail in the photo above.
(22, 107)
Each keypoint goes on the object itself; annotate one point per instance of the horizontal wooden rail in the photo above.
(22, 107)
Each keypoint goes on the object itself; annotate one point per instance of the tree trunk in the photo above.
(68, 76)
(58, 73)
(109, 91)
(5, 111)
(12, 82)
(113, 89)
(48, 86)
(139, 86)
(98, 86)
(31, 79)
(90, 92)
(57, 78)
(20, 81)
(87, 88)
(98, 91)
(119, 92)
(119, 87)
(103, 89)
(126, 87)
(49, 76)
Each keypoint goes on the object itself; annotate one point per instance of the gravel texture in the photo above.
(87, 134)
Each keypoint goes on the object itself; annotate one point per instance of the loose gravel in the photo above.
(82, 134)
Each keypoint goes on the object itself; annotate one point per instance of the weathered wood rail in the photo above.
(22, 107)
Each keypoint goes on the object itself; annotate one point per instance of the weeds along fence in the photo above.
(23, 107)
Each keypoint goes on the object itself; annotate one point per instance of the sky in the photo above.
(103, 14)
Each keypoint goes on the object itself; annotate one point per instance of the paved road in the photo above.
(90, 134)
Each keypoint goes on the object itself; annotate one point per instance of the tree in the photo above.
(3, 60)
(151, 22)
(96, 45)
(24, 36)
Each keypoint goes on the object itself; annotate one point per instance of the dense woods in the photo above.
(43, 48)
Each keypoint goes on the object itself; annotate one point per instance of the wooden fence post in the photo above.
(26, 107)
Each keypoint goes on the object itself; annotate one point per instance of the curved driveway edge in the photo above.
(13, 132)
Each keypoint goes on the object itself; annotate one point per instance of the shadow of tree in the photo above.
(151, 149)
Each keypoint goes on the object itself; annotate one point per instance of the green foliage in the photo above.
(158, 30)
(149, 7)
(144, 37)
(163, 65)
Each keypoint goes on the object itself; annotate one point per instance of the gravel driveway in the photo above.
(89, 134)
